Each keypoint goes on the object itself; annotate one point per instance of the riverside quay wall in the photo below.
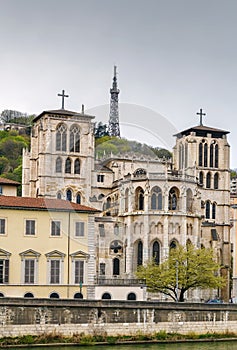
(68, 317)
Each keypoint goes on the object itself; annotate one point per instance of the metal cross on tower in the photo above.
(63, 96)
(201, 114)
(114, 129)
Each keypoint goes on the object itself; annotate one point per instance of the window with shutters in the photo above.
(30, 227)
(4, 271)
(55, 228)
(29, 270)
(2, 226)
(79, 271)
(55, 271)
(79, 229)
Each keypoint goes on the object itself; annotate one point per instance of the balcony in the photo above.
(102, 281)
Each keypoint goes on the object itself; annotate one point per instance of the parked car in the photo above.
(215, 301)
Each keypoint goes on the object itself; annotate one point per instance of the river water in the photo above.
(227, 345)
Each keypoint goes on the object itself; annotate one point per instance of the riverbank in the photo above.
(56, 340)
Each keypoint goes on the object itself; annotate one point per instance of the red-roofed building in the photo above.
(47, 248)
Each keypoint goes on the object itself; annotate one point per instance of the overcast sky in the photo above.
(173, 56)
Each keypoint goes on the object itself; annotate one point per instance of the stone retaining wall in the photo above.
(67, 317)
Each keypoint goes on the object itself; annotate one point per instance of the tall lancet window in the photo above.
(68, 166)
(74, 139)
(139, 253)
(61, 138)
(200, 154)
(216, 156)
(77, 166)
(205, 154)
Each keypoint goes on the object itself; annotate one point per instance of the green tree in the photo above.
(186, 268)
(100, 130)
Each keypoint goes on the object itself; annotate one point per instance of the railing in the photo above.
(119, 281)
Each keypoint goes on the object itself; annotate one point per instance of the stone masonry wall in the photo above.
(67, 317)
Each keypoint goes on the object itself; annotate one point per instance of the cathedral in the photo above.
(145, 205)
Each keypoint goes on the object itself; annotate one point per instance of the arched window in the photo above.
(28, 295)
(59, 195)
(181, 156)
(78, 198)
(106, 296)
(156, 252)
(213, 210)
(108, 203)
(139, 253)
(58, 165)
(140, 172)
(116, 267)
(139, 199)
(74, 139)
(156, 198)
(186, 155)
(68, 166)
(205, 154)
(189, 200)
(54, 295)
(216, 156)
(173, 244)
(1, 295)
(208, 207)
(201, 178)
(69, 195)
(77, 166)
(211, 155)
(131, 296)
(200, 157)
(173, 198)
(208, 180)
(78, 295)
(61, 138)
(126, 199)
(216, 181)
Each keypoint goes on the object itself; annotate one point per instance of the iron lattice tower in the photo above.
(114, 129)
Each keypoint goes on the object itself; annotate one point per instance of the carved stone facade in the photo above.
(147, 204)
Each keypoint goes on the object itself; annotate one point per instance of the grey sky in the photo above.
(173, 56)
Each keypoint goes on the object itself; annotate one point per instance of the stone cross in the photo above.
(63, 96)
(201, 115)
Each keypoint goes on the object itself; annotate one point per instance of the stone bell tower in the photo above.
(61, 159)
(203, 153)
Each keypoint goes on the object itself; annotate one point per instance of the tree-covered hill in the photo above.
(107, 145)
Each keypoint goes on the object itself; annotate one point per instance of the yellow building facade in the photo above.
(47, 248)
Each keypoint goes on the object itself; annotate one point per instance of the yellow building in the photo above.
(46, 248)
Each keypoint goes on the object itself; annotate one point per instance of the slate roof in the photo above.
(202, 130)
(64, 112)
(43, 204)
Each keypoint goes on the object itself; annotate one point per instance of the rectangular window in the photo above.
(55, 228)
(100, 178)
(55, 271)
(79, 229)
(102, 269)
(30, 227)
(4, 271)
(29, 276)
(2, 226)
(79, 272)
(102, 230)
